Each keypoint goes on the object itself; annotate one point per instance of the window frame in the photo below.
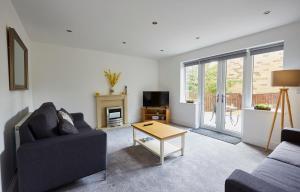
(252, 71)
(185, 84)
(247, 72)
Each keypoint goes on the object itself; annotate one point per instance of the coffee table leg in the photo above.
(182, 144)
(162, 151)
(133, 136)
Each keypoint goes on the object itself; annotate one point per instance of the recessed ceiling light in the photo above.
(154, 23)
(197, 37)
(69, 30)
(124, 42)
(267, 12)
(162, 50)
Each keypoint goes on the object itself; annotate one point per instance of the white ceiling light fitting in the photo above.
(267, 12)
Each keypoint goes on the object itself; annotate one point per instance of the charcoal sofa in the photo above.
(279, 172)
(48, 163)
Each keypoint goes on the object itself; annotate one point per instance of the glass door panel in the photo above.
(210, 92)
(233, 95)
(222, 95)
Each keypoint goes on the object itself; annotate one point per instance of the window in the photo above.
(191, 83)
(263, 65)
(265, 59)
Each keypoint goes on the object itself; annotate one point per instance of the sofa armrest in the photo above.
(51, 162)
(77, 116)
(291, 135)
(240, 181)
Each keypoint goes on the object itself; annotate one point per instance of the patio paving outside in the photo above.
(232, 123)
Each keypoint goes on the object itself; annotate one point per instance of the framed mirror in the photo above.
(17, 61)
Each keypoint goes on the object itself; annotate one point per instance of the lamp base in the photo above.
(282, 95)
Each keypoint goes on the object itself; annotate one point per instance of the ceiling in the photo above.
(105, 24)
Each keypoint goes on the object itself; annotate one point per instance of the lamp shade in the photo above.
(286, 78)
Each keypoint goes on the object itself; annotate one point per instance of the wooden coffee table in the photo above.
(160, 133)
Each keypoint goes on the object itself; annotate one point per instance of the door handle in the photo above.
(223, 96)
(217, 98)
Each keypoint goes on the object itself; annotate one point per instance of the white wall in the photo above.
(256, 128)
(169, 68)
(69, 77)
(11, 102)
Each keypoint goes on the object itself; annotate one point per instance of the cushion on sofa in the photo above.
(50, 113)
(40, 127)
(66, 128)
(280, 174)
(45, 121)
(48, 104)
(287, 152)
(63, 114)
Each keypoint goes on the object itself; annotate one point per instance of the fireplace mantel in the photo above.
(104, 101)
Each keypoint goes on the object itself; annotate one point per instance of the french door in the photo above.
(221, 95)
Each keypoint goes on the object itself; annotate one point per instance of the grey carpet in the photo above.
(217, 135)
(204, 167)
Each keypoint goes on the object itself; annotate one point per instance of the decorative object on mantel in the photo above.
(125, 90)
(17, 61)
(112, 79)
(284, 78)
(97, 94)
(264, 107)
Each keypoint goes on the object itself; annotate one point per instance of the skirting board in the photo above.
(261, 144)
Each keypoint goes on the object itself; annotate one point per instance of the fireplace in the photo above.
(110, 101)
(114, 116)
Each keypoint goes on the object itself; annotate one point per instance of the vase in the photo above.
(111, 90)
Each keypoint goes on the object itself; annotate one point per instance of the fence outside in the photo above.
(235, 99)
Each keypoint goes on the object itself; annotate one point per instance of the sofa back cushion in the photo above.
(50, 120)
(50, 114)
(65, 115)
(66, 128)
(287, 152)
(41, 127)
(44, 123)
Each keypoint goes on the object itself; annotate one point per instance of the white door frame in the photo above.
(221, 94)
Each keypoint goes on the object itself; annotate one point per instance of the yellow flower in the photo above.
(112, 78)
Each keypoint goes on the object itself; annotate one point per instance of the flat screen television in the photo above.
(155, 98)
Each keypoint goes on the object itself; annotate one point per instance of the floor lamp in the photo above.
(283, 79)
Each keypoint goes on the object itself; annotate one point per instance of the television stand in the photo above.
(159, 114)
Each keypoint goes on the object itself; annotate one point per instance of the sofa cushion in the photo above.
(287, 152)
(63, 114)
(280, 174)
(66, 128)
(49, 105)
(40, 127)
(51, 116)
(45, 121)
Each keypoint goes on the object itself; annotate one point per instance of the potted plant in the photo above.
(265, 107)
